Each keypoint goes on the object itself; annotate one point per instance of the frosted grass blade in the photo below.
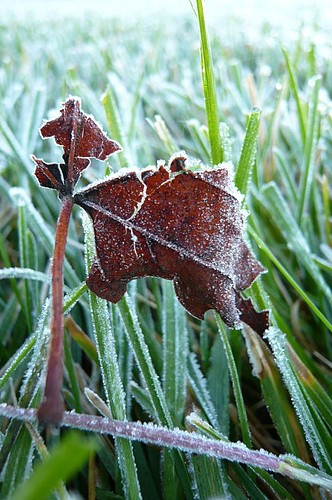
(195, 130)
(105, 343)
(248, 152)
(114, 125)
(23, 273)
(164, 134)
(198, 384)
(272, 197)
(209, 478)
(277, 342)
(289, 278)
(294, 88)
(287, 465)
(308, 167)
(246, 435)
(42, 231)
(19, 463)
(24, 260)
(175, 351)
(316, 393)
(153, 386)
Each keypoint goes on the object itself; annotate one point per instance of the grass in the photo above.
(145, 359)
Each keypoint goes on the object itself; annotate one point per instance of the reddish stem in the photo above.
(52, 407)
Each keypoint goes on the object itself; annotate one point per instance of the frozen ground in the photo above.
(281, 12)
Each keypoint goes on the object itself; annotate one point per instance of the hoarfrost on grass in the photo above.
(255, 353)
(277, 341)
(23, 273)
(198, 382)
(36, 363)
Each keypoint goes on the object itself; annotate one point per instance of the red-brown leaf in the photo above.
(81, 138)
(176, 224)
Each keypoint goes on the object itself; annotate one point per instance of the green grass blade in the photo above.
(15, 147)
(246, 435)
(272, 197)
(308, 168)
(23, 249)
(69, 363)
(290, 279)
(164, 134)
(294, 89)
(248, 153)
(199, 386)
(203, 427)
(114, 125)
(6, 261)
(277, 342)
(63, 462)
(209, 89)
(209, 479)
(218, 385)
(19, 463)
(327, 207)
(151, 380)
(105, 343)
(175, 351)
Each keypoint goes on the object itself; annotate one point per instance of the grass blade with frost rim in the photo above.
(105, 343)
(248, 152)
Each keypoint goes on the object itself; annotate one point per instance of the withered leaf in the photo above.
(185, 226)
(165, 221)
(81, 138)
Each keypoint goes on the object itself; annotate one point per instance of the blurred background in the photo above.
(283, 12)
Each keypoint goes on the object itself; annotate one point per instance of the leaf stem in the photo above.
(52, 407)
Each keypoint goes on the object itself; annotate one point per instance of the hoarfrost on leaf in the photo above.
(169, 221)
(174, 223)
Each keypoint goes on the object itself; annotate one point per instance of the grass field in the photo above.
(145, 359)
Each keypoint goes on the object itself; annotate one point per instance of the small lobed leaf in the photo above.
(81, 138)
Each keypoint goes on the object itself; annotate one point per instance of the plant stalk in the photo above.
(191, 442)
(52, 406)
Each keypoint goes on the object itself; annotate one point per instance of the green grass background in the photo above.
(143, 83)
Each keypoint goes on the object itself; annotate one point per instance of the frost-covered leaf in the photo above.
(171, 222)
(81, 138)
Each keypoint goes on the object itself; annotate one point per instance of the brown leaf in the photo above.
(81, 138)
(180, 225)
